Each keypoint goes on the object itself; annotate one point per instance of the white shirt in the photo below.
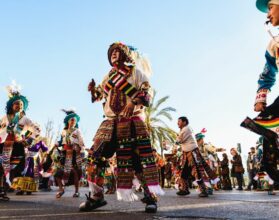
(24, 124)
(75, 138)
(187, 139)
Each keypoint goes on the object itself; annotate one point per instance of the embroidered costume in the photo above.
(211, 165)
(29, 182)
(13, 126)
(192, 162)
(126, 84)
(264, 182)
(266, 123)
(67, 156)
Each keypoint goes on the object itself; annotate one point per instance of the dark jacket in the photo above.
(237, 166)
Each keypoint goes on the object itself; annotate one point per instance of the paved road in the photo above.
(222, 205)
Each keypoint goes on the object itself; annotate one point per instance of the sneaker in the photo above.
(91, 204)
(203, 194)
(183, 193)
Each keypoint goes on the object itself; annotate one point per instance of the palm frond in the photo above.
(155, 121)
(160, 102)
(165, 114)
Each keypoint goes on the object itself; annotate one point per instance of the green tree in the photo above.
(155, 121)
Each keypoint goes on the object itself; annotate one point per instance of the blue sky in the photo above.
(206, 57)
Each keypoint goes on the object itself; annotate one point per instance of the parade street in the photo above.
(222, 205)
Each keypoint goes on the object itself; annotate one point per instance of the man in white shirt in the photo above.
(191, 159)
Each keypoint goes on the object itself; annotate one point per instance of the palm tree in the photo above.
(159, 130)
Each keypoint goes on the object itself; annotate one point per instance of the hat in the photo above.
(14, 95)
(71, 114)
(133, 57)
(199, 136)
(262, 5)
(125, 49)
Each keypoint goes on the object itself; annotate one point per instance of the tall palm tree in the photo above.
(159, 130)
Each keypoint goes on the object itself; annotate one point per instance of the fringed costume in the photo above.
(266, 123)
(67, 156)
(192, 162)
(30, 181)
(210, 161)
(128, 137)
(13, 126)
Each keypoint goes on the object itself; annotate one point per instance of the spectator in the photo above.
(237, 167)
(225, 172)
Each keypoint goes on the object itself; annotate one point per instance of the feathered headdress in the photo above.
(13, 91)
(71, 114)
(133, 57)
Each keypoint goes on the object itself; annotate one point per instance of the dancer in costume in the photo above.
(110, 180)
(252, 162)
(126, 91)
(168, 172)
(160, 162)
(265, 183)
(266, 123)
(209, 154)
(46, 170)
(192, 161)
(263, 180)
(13, 126)
(29, 182)
(68, 160)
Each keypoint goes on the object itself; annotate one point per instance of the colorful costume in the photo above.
(110, 180)
(210, 161)
(13, 141)
(266, 123)
(29, 182)
(192, 162)
(68, 160)
(264, 182)
(128, 137)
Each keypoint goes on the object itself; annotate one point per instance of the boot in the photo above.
(183, 193)
(203, 194)
(151, 203)
(209, 191)
(3, 195)
(151, 207)
(91, 204)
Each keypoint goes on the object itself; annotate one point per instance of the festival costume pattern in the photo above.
(14, 139)
(266, 123)
(191, 162)
(67, 157)
(128, 138)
